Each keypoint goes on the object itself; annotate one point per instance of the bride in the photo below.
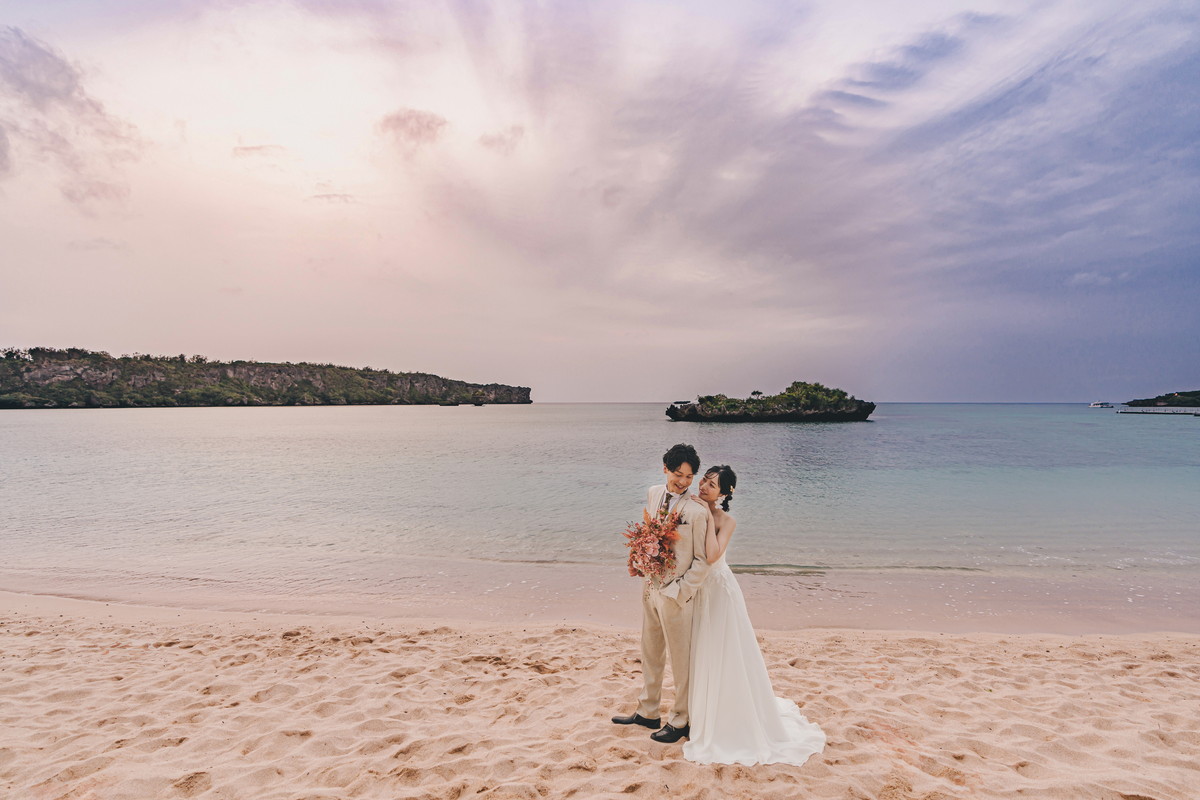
(735, 716)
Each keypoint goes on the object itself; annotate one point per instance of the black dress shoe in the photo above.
(670, 735)
(638, 719)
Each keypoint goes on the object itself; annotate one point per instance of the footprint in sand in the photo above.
(193, 784)
(89, 767)
(280, 691)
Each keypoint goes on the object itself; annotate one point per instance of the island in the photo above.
(45, 377)
(1184, 399)
(800, 402)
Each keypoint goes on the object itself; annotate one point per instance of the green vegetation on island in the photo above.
(43, 377)
(800, 402)
(1185, 399)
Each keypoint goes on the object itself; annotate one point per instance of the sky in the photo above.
(615, 201)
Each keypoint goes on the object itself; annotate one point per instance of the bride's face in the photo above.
(709, 489)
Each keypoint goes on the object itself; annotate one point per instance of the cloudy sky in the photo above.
(934, 200)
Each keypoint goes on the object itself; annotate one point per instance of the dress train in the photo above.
(735, 716)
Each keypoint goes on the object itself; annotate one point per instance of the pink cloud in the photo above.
(412, 128)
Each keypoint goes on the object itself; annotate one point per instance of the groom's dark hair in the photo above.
(679, 455)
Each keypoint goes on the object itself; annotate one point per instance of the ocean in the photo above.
(350, 501)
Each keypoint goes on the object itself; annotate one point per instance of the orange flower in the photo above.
(650, 541)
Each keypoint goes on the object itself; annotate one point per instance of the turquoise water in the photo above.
(290, 499)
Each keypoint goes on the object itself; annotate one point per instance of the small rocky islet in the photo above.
(800, 402)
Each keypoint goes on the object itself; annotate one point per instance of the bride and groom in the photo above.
(724, 704)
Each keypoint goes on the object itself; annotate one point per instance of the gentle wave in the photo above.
(805, 569)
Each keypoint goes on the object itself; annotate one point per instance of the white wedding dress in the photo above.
(735, 716)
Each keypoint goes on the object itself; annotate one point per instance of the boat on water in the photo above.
(1100, 404)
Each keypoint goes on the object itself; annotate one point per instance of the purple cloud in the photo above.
(412, 129)
(52, 118)
(962, 207)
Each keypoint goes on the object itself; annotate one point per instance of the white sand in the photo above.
(103, 702)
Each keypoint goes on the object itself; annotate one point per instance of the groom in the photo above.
(667, 604)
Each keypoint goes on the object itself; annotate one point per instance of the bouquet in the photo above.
(651, 545)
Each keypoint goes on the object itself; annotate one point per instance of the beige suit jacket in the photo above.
(691, 566)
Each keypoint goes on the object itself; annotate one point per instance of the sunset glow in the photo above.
(616, 201)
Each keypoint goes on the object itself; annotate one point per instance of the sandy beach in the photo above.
(111, 702)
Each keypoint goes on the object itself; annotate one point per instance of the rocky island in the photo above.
(800, 402)
(1184, 399)
(43, 377)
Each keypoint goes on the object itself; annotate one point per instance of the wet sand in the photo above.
(948, 601)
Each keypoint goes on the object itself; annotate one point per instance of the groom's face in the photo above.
(678, 480)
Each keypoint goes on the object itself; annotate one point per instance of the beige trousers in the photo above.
(666, 630)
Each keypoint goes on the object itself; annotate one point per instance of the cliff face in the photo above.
(46, 378)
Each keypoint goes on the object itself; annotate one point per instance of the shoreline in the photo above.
(127, 702)
(520, 592)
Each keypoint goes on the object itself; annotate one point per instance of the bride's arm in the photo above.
(710, 535)
(712, 545)
(718, 538)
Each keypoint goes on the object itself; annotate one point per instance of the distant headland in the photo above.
(43, 377)
(1186, 399)
(800, 402)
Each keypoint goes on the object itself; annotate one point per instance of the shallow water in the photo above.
(340, 500)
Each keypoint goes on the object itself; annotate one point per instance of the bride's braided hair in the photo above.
(726, 481)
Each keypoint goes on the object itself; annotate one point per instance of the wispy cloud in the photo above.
(1071, 162)
(97, 243)
(5, 159)
(333, 197)
(47, 115)
(258, 151)
(911, 202)
(411, 128)
(870, 202)
(505, 141)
